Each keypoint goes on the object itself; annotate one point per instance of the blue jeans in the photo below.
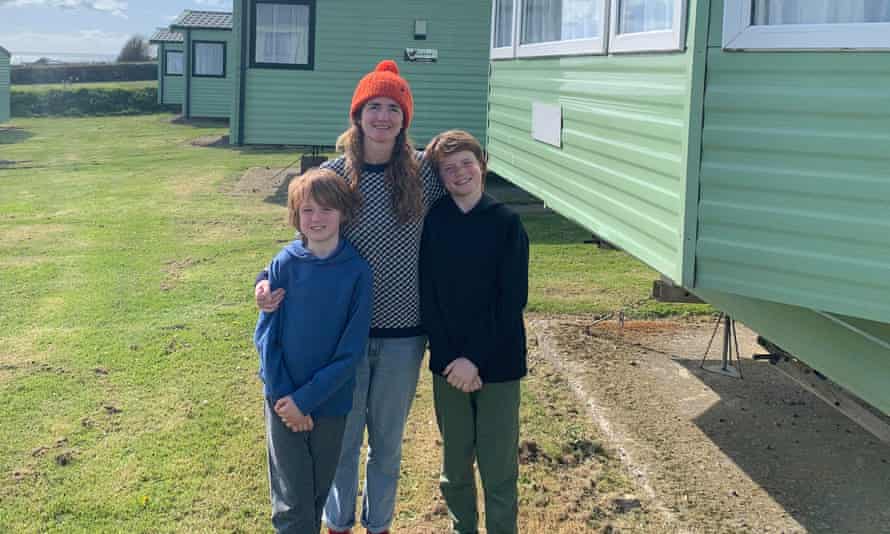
(385, 383)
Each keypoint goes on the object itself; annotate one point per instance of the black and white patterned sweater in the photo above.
(392, 248)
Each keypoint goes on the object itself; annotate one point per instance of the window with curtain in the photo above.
(840, 25)
(173, 63)
(209, 59)
(282, 33)
(637, 16)
(774, 12)
(545, 21)
(503, 24)
(648, 26)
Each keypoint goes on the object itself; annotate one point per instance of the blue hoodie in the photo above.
(309, 348)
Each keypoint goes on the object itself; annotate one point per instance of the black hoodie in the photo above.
(474, 286)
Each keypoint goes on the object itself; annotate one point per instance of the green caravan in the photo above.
(207, 63)
(170, 66)
(5, 59)
(739, 147)
(298, 61)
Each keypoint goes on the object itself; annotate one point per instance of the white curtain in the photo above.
(282, 34)
(767, 12)
(174, 62)
(503, 23)
(561, 20)
(581, 19)
(209, 59)
(638, 16)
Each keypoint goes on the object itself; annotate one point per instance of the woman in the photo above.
(396, 187)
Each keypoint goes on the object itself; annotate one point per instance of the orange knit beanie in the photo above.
(384, 80)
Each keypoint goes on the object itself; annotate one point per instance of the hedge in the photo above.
(81, 102)
(82, 73)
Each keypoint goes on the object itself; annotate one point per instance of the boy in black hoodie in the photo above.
(474, 286)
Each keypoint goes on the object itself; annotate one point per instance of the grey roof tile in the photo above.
(163, 35)
(214, 20)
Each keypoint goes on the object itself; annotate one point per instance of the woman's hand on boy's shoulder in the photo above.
(266, 300)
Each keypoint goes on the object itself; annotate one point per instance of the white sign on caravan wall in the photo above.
(422, 55)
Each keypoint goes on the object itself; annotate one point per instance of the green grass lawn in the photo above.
(128, 400)
(43, 87)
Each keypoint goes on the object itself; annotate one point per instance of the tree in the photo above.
(134, 50)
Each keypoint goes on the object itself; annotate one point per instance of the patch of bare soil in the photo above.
(568, 482)
(210, 141)
(267, 182)
(759, 454)
(174, 270)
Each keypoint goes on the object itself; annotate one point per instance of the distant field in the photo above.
(41, 87)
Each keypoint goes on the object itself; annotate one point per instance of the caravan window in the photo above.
(777, 12)
(648, 25)
(503, 18)
(561, 27)
(806, 24)
(283, 34)
(209, 59)
(173, 63)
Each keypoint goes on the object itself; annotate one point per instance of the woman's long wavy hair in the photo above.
(402, 176)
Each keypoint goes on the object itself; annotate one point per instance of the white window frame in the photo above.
(591, 46)
(167, 62)
(208, 44)
(740, 34)
(504, 52)
(672, 40)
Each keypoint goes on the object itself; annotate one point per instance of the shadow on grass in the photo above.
(279, 196)
(545, 227)
(223, 141)
(197, 122)
(11, 134)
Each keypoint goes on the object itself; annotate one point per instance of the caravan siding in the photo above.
(620, 172)
(4, 85)
(310, 107)
(212, 97)
(832, 344)
(174, 86)
(795, 178)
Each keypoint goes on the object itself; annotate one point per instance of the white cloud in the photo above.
(221, 4)
(74, 42)
(115, 7)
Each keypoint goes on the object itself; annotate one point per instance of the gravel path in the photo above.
(720, 454)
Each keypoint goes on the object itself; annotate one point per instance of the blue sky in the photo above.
(87, 26)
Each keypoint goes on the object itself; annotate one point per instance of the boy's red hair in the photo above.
(452, 141)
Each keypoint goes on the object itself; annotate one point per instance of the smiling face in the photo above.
(319, 225)
(461, 174)
(381, 120)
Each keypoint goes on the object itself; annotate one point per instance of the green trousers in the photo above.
(481, 426)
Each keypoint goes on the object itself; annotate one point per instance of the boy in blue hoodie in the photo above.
(309, 348)
(473, 289)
